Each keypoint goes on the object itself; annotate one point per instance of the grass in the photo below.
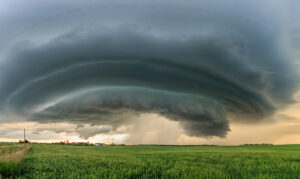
(62, 161)
(11, 158)
(7, 143)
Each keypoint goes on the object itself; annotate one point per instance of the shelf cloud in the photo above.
(199, 63)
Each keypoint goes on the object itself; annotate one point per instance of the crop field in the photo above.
(65, 161)
(11, 156)
(6, 143)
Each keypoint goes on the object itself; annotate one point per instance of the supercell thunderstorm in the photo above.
(199, 63)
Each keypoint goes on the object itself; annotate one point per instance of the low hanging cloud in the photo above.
(106, 63)
(119, 106)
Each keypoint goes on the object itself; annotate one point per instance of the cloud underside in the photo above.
(197, 67)
(119, 106)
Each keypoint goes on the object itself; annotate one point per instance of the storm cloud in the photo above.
(105, 63)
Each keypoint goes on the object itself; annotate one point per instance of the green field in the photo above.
(11, 156)
(65, 161)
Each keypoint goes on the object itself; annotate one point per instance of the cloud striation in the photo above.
(105, 63)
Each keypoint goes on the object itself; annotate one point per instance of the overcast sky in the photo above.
(169, 72)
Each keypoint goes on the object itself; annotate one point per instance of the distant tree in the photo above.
(24, 141)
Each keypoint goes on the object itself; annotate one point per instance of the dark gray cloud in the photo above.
(119, 106)
(195, 62)
(84, 131)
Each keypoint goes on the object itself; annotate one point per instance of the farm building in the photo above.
(100, 144)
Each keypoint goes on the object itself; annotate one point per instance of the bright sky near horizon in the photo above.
(151, 72)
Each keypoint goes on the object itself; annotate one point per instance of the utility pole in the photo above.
(24, 135)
